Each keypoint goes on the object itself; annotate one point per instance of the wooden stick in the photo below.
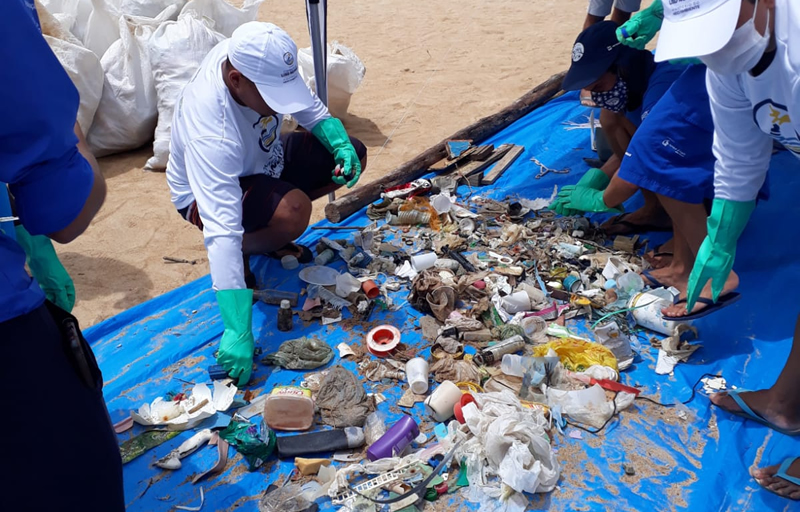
(348, 204)
(500, 167)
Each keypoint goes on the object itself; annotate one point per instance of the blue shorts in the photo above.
(660, 81)
(670, 154)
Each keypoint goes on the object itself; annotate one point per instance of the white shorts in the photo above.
(602, 8)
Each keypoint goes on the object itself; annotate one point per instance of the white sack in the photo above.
(175, 50)
(345, 74)
(226, 17)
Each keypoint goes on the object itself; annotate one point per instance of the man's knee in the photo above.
(294, 211)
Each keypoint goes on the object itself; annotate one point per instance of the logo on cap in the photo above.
(577, 52)
(288, 58)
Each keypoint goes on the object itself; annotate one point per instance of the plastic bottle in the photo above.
(285, 316)
(514, 365)
(374, 427)
(395, 440)
(629, 284)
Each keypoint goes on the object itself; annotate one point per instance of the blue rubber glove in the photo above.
(715, 257)
(47, 268)
(642, 27)
(585, 199)
(594, 178)
(237, 346)
(333, 136)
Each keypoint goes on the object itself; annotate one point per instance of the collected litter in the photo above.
(301, 354)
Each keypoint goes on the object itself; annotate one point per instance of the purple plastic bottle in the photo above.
(394, 440)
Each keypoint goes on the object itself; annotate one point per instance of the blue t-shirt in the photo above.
(39, 160)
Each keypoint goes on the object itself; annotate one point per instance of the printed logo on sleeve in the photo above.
(774, 119)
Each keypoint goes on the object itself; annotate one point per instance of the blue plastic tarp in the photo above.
(693, 458)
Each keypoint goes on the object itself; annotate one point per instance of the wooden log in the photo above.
(500, 167)
(338, 210)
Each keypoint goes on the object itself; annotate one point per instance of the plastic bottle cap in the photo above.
(285, 304)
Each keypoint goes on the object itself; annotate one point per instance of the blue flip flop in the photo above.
(782, 473)
(723, 302)
(750, 414)
(652, 281)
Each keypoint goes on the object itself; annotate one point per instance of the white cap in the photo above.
(266, 55)
(693, 28)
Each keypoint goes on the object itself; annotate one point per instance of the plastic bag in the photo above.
(82, 66)
(577, 355)
(255, 445)
(175, 50)
(126, 116)
(507, 445)
(342, 401)
(345, 74)
(72, 14)
(226, 17)
(589, 406)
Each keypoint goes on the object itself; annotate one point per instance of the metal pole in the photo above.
(317, 30)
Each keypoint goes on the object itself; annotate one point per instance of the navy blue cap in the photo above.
(593, 53)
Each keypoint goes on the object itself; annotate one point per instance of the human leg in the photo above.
(778, 405)
(80, 465)
(690, 221)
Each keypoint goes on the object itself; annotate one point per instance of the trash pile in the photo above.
(499, 372)
(130, 59)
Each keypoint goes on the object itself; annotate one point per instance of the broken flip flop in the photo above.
(750, 414)
(652, 281)
(301, 252)
(629, 228)
(711, 306)
(783, 472)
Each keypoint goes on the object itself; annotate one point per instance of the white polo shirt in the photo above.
(749, 112)
(215, 141)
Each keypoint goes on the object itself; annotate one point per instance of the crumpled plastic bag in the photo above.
(610, 336)
(424, 283)
(300, 354)
(342, 401)
(256, 446)
(577, 355)
(448, 368)
(288, 498)
(589, 406)
(442, 302)
(506, 446)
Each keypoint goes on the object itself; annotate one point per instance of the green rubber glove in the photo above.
(715, 257)
(237, 345)
(47, 269)
(585, 199)
(642, 27)
(594, 178)
(333, 136)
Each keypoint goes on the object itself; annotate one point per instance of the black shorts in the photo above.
(307, 166)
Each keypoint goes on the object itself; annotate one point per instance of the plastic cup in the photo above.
(423, 261)
(517, 302)
(441, 203)
(370, 289)
(289, 262)
(417, 375)
(441, 402)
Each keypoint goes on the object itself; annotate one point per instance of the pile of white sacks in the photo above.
(130, 59)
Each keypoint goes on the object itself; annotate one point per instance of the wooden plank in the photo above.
(338, 210)
(500, 167)
(477, 166)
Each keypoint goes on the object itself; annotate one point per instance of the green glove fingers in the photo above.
(237, 345)
(588, 200)
(333, 136)
(47, 269)
(594, 178)
(642, 27)
(718, 251)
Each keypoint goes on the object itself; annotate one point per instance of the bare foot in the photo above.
(679, 310)
(669, 276)
(661, 256)
(761, 402)
(766, 478)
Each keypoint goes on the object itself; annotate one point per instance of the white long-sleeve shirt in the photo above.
(751, 111)
(215, 141)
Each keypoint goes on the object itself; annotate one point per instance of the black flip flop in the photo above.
(306, 256)
(711, 306)
(636, 229)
